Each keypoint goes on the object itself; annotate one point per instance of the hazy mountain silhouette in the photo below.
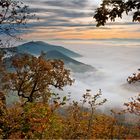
(74, 65)
(36, 47)
(50, 51)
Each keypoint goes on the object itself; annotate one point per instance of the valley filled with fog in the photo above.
(114, 62)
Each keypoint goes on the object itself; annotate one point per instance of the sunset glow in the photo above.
(74, 20)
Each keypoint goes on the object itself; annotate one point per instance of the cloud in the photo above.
(68, 4)
(70, 17)
(61, 11)
(64, 13)
(71, 4)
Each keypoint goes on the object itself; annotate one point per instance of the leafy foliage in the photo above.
(14, 15)
(112, 9)
(33, 77)
(134, 105)
(134, 78)
(46, 117)
(40, 120)
(80, 121)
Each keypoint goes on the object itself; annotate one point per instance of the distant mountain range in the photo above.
(51, 52)
(36, 47)
(74, 65)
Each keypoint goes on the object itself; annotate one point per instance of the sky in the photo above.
(73, 20)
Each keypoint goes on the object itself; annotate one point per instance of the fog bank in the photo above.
(114, 61)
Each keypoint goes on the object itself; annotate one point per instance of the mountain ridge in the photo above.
(73, 64)
(36, 47)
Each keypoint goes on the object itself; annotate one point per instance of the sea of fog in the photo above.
(114, 61)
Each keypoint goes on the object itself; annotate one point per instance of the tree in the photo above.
(134, 105)
(134, 78)
(112, 9)
(13, 16)
(94, 102)
(39, 120)
(80, 119)
(33, 77)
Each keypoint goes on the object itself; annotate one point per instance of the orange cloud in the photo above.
(115, 31)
